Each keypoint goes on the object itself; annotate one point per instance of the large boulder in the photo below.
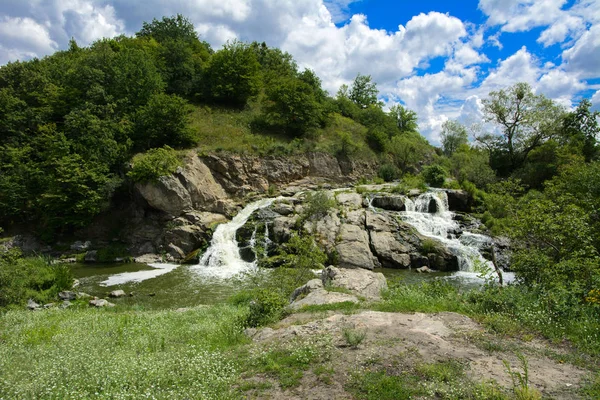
(389, 251)
(353, 248)
(167, 194)
(325, 230)
(185, 237)
(459, 200)
(392, 202)
(197, 179)
(359, 282)
(349, 200)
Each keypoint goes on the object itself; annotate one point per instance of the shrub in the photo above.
(435, 175)
(388, 172)
(153, 164)
(30, 278)
(317, 205)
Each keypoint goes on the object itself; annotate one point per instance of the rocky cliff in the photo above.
(176, 214)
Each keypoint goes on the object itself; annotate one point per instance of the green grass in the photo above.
(222, 129)
(102, 354)
(287, 361)
(438, 380)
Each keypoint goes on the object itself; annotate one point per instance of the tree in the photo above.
(406, 120)
(292, 106)
(580, 128)
(163, 121)
(169, 28)
(454, 134)
(233, 74)
(364, 92)
(407, 151)
(525, 120)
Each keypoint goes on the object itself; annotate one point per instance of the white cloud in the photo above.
(596, 101)
(307, 29)
(24, 37)
(584, 56)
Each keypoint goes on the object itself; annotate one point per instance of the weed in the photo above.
(520, 380)
(353, 337)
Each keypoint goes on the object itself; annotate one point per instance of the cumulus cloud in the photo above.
(323, 36)
(584, 56)
(23, 38)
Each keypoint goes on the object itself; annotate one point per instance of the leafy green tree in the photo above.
(169, 28)
(406, 120)
(454, 134)
(292, 106)
(77, 191)
(233, 74)
(164, 120)
(135, 77)
(581, 130)
(407, 151)
(181, 53)
(435, 175)
(526, 121)
(364, 92)
(472, 164)
(275, 64)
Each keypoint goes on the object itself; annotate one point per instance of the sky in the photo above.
(438, 58)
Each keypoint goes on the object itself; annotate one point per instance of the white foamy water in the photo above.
(441, 226)
(139, 276)
(222, 259)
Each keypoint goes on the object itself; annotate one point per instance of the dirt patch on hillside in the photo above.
(397, 342)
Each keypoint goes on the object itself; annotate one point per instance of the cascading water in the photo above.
(430, 216)
(222, 259)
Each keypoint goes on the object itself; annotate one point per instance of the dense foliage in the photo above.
(71, 122)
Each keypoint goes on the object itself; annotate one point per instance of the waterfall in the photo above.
(222, 258)
(429, 214)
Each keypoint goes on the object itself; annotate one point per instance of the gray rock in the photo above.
(392, 202)
(310, 286)
(49, 305)
(91, 256)
(198, 181)
(282, 229)
(100, 303)
(118, 293)
(322, 296)
(148, 259)
(32, 305)
(65, 304)
(67, 295)
(187, 238)
(360, 282)
(389, 251)
(353, 248)
(350, 200)
(459, 200)
(166, 194)
(83, 296)
(80, 246)
(175, 251)
(423, 269)
(325, 230)
(283, 209)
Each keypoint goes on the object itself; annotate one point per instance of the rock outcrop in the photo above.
(338, 285)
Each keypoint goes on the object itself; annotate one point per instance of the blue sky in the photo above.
(439, 58)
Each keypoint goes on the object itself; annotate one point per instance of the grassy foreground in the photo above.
(202, 353)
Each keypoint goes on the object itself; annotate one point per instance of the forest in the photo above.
(79, 127)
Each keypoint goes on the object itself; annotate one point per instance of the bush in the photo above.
(30, 278)
(388, 172)
(317, 205)
(264, 306)
(435, 175)
(153, 164)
